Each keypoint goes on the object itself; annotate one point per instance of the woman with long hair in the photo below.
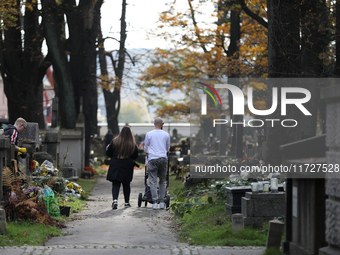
(123, 151)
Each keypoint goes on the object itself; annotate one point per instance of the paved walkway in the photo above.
(135, 230)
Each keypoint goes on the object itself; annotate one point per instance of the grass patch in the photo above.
(204, 220)
(272, 251)
(87, 184)
(210, 226)
(174, 185)
(25, 233)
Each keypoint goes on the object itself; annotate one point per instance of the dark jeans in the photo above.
(126, 190)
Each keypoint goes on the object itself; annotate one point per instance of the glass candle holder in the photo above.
(265, 186)
(260, 187)
(254, 187)
(274, 185)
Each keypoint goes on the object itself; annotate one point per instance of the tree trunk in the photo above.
(314, 40)
(23, 68)
(112, 98)
(62, 75)
(83, 23)
(233, 50)
(283, 62)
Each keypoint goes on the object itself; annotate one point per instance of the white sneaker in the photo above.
(115, 204)
(155, 206)
(161, 205)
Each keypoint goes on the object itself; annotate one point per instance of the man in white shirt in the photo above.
(157, 145)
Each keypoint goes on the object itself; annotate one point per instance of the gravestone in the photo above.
(55, 119)
(237, 222)
(29, 140)
(234, 196)
(51, 140)
(3, 225)
(274, 233)
(5, 159)
(30, 136)
(258, 208)
(332, 215)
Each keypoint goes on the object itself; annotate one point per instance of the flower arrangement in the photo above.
(90, 169)
(33, 191)
(74, 189)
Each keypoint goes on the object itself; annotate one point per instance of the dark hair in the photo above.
(124, 143)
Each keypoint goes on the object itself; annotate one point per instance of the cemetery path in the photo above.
(126, 231)
(98, 224)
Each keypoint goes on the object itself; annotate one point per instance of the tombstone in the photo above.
(258, 208)
(237, 222)
(51, 142)
(29, 140)
(3, 225)
(274, 233)
(5, 158)
(30, 136)
(54, 112)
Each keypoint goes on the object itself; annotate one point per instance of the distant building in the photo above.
(3, 101)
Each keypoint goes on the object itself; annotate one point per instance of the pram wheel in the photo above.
(140, 199)
(167, 201)
(146, 203)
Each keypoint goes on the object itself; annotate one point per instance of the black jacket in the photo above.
(12, 132)
(120, 169)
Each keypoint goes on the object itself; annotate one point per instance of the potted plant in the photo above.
(64, 209)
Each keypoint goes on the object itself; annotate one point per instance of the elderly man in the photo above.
(157, 145)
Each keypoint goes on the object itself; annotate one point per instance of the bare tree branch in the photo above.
(252, 14)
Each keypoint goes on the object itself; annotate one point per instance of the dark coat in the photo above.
(120, 169)
(12, 132)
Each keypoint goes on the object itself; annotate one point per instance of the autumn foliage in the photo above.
(200, 47)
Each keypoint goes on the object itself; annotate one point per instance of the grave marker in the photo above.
(3, 225)
(237, 222)
(274, 233)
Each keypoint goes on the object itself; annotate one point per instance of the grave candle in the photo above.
(265, 186)
(273, 185)
(254, 186)
(260, 187)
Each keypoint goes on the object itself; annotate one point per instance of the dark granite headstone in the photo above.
(274, 233)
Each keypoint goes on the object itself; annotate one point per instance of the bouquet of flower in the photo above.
(33, 191)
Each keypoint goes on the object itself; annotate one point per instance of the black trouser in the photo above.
(126, 190)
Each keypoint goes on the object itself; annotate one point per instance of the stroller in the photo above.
(147, 194)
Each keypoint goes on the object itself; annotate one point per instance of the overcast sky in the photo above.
(141, 16)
